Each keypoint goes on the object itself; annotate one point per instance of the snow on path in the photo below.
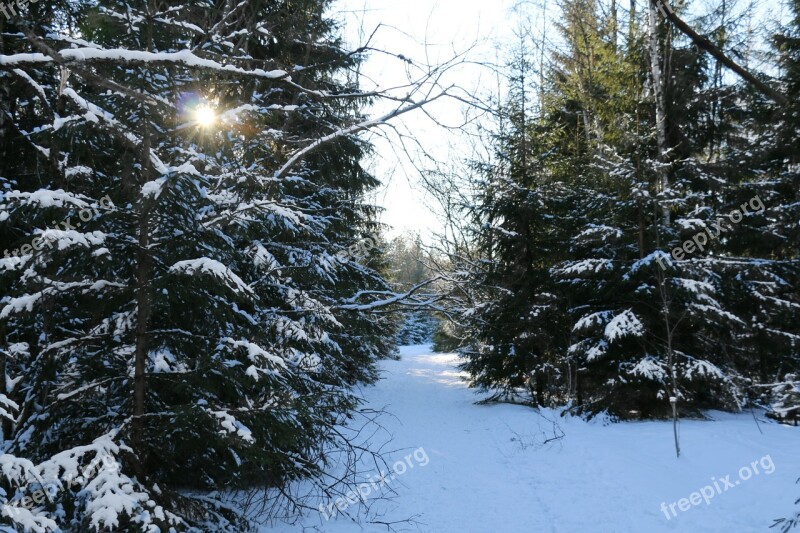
(488, 471)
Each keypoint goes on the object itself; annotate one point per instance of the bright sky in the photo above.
(429, 33)
(426, 33)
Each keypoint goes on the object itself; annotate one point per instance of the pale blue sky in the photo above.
(426, 32)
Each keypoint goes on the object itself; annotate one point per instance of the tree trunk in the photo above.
(143, 281)
(613, 29)
(663, 290)
(673, 399)
(658, 96)
(143, 266)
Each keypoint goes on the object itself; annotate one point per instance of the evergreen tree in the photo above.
(586, 213)
(778, 155)
(519, 221)
(407, 269)
(196, 328)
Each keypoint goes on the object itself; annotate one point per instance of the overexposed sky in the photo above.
(426, 33)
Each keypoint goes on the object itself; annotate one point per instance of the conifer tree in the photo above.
(190, 321)
(662, 296)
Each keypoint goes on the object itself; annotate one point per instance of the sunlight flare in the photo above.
(205, 116)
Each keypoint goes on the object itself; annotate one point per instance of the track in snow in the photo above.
(488, 470)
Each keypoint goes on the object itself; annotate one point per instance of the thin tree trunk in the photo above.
(613, 29)
(143, 304)
(55, 141)
(658, 96)
(640, 216)
(673, 395)
(673, 399)
(143, 281)
(542, 46)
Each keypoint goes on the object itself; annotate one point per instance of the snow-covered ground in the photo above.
(484, 468)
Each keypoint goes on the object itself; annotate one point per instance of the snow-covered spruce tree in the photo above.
(683, 320)
(645, 167)
(514, 324)
(641, 324)
(39, 216)
(189, 321)
(417, 328)
(774, 235)
(779, 155)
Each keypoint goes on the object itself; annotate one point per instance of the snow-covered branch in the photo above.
(408, 298)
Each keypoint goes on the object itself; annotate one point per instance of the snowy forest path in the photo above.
(490, 468)
(471, 480)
